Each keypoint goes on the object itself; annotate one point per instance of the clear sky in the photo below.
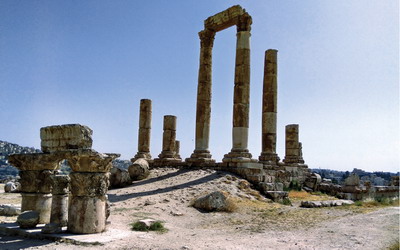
(90, 62)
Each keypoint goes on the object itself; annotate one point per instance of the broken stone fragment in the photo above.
(215, 201)
(52, 228)
(9, 210)
(28, 219)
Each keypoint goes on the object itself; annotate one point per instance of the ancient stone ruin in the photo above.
(79, 201)
(84, 208)
(266, 172)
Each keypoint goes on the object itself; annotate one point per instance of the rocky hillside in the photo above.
(7, 171)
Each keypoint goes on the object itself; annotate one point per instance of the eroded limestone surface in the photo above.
(64, 137)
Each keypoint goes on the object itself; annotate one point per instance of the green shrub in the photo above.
(394, 246)
(157, 226)
(358, 203)
(294, 185)
(287, 202)
(383, 200)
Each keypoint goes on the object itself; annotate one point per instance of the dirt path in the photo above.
(257, 224)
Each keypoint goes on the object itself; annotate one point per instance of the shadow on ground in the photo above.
(10, 242)
(117, 198)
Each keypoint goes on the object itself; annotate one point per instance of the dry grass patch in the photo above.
(305, 196)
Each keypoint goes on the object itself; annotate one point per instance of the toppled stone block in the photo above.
(119, 178)
(12, 187)
(65, 137)
(139, 170)
(9, 210)
(329, 203)
(215, 201)
(28, 219)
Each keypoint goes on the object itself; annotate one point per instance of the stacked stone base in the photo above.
(240, 155)
(166, 162)
(269, 158)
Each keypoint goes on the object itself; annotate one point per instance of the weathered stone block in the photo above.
(28, 219)
(87, 214)
(64, 137)
(139, 170)
(119, 178)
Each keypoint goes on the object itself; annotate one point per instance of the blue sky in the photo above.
(90, 62)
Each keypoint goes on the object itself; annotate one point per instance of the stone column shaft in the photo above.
(144, 130)
(241, 96)
(269, 108)
(59, 206)
(177, 149)
(203, 108)
(292, 146)
(169, 137)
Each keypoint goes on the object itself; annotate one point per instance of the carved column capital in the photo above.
(60, 184)
(244, 22)
(88, 160)
(207, 38)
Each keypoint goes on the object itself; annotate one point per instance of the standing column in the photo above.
(201, 153)
(241, 96)
(168, 154)
(35, 172)
(292, 147)
(269, 108)
(59, 206)
(144, 130)
(87, 211)
(177, 149)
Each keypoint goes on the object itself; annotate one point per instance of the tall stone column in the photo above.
(87, 212)
(241, 96)
(35, 172)
(292, 146)
(144, 130)
(168, 154)
(201, 153)
(269, 108)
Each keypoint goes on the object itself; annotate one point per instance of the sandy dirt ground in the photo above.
(257, 222)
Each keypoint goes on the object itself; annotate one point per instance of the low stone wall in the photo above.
(359, 193)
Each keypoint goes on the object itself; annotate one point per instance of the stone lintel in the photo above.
(224, 19)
